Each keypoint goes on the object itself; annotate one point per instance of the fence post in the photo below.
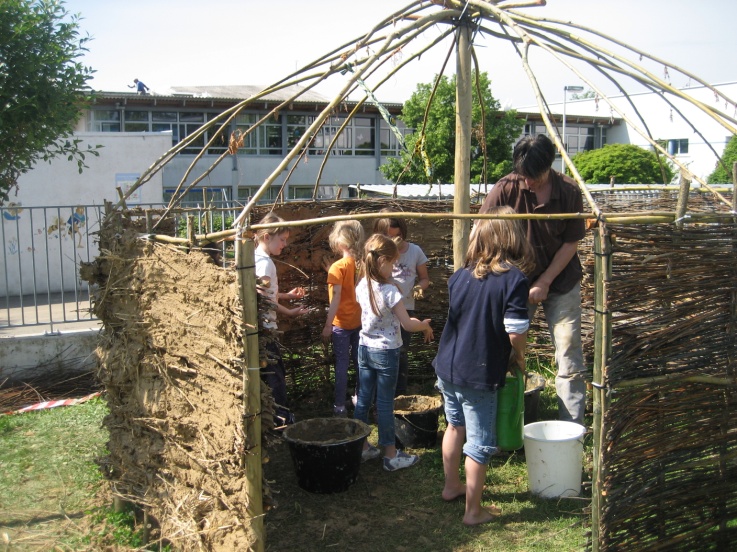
(602, 351)
(251, 461)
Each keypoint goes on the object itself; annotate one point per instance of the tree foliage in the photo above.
(501, 130)
(42, 87)
(729, 157)
(627, 163)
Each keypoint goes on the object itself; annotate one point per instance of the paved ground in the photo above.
(43, 314)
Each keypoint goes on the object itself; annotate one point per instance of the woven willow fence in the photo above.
(665, 471)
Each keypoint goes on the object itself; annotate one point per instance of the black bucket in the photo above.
(535, 384)
(326, 452)
(416, 420)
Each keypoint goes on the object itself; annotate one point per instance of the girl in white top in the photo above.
(411, 276)
(382, 315)
(270, 242)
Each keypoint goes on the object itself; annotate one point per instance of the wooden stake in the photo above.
(462, 175)
(682, 205)
(602, 350)
(251, 460)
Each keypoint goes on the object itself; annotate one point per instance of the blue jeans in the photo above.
(345, 347)
(274, 375)
(474, 409)
(377, 370)
(403, 373)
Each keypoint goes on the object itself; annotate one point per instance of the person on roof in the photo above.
(139, 86)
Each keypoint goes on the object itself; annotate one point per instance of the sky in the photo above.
(168, 43)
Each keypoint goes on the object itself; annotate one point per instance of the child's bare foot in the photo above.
(487, 514)
(450, 494)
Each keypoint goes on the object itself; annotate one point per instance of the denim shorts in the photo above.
(474, 409)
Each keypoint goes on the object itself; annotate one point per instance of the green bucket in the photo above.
(510, 414)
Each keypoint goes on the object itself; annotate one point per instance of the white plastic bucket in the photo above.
(554, 453)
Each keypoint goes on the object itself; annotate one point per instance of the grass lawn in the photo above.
(53, 497)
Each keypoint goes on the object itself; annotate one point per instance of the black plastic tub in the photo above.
(535, 384)
(416, 420)
(326, 452)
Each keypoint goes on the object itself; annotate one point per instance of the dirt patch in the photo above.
(412, 404)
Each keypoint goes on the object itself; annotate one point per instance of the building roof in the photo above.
(419, 191)
(229, 95)
(245, 91)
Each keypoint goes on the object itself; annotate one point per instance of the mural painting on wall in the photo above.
(12, 213)
(71, 228)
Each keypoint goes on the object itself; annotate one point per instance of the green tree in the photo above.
(729, 157)
(42, 87)
(628, 164)
(501, 130)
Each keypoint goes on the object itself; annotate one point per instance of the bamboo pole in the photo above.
(602, 351)
(251, 460)
(462, 174)
(734, 188)
(682, 205)
(645, 217)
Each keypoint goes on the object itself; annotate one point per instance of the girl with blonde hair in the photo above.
(487, 322)
(343, 322)
(382, 315)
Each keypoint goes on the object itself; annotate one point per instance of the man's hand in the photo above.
(538, 292)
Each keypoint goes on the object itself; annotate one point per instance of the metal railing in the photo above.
(44, 247)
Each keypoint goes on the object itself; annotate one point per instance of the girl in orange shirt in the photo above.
(343, 322)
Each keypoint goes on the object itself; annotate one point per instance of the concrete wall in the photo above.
(49, 226)
(123, 153)
(253, 170)
(29, 356)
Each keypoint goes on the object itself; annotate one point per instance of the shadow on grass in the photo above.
(404, 512)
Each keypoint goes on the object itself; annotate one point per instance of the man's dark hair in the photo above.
(533, 155)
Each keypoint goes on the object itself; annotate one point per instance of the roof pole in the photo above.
(462, 175)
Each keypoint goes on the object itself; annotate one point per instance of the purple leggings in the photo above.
(345, 347)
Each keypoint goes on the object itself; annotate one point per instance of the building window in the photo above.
(180, 124)
(136, 121)
(301, 192)
(245, 193)
(365, 135)
(389, 142)
(678, 146)
(107, 120)
(189, 123)
(199, 197)
(358, 136)
(265, 140)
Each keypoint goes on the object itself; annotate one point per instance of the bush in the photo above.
(628, 164)
(202, 224)
(729, 156)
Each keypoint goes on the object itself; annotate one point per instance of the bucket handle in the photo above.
(413, 425)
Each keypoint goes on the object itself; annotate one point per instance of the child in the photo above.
(270, 242)
(343, 323)
(411, 268)
(382, 312)
(487, 321)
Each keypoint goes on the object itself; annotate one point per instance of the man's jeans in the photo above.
(563, 313)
